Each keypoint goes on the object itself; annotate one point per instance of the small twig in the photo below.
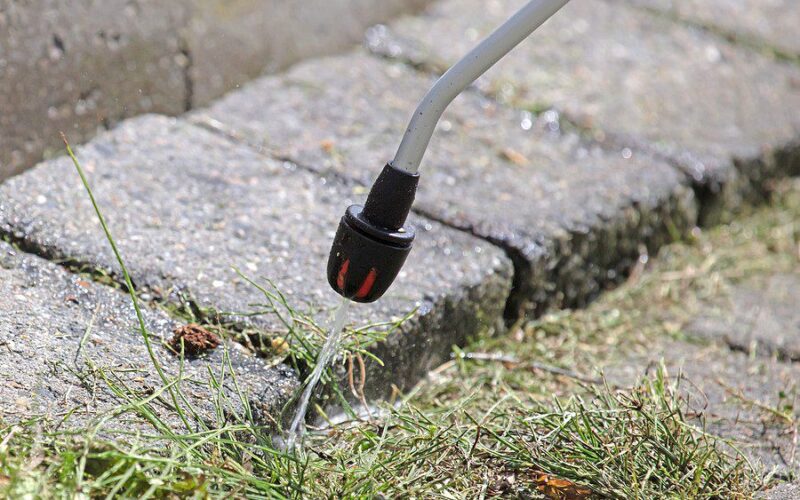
(350, 380)
(533, 365)
(789, 419)
(475, 443)
(361, 383)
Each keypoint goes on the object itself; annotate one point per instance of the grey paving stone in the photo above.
(759, 316)
(737, 395)
(82, 65)
(773, 22)
(75, 67)
(186, 205)
(571, 215)
(233, 42)
(725, 114)
(58, 332)
(789, 491)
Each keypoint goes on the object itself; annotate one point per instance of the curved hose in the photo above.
(463, 73)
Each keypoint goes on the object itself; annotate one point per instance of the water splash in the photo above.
(325, 357)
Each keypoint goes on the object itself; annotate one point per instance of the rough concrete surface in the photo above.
(772, 22)
(82, 65)
(232, 42)
(60, 335)
(760, 317)
(634, 79)
(573, 216)
(790, 491)
(76, 67)
(185, 205)
(735, 394)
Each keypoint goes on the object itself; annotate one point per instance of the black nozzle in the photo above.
(372, 242)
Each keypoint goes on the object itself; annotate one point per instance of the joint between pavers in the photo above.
(523, 270)
(516, 258)
(566, 123)
(188, 82)
(185, 309)
(762, 350)
(741, 40)
(715, 196)
(575, 288)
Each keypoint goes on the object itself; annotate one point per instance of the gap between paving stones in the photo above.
(709, 196)
(456, 296)
(719, 189)
(183, 308)
(72, 352)
(96, 64)
(750, 23)
(548, 271)
(744, 40)
(570, 259)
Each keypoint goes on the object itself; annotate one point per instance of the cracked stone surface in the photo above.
(58, 332)
(634, 79)
(572, 215)
(186, 205)
(737, 395)
(771, 22)
(759, 317)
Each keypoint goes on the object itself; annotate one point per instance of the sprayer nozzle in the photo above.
(372, 242)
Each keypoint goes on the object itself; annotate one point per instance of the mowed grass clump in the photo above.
(474, 436)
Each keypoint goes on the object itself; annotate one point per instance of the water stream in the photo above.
(325, 357)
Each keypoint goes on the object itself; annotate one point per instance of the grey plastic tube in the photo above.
(463, 73)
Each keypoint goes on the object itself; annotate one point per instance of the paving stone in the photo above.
(81, 66)
(789, 491)
(76, 66)
(732, 391)
(759, 316)
(185, 205)
(725, 114)
(58, 332)
(572, 215)
(233, 42)
(771, 22)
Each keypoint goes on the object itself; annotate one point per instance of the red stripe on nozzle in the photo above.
(368, 283)
(342, 274)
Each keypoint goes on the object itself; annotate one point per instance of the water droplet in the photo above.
(527, 120)
(713, 54)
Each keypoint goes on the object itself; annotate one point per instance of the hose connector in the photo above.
(373, 241)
